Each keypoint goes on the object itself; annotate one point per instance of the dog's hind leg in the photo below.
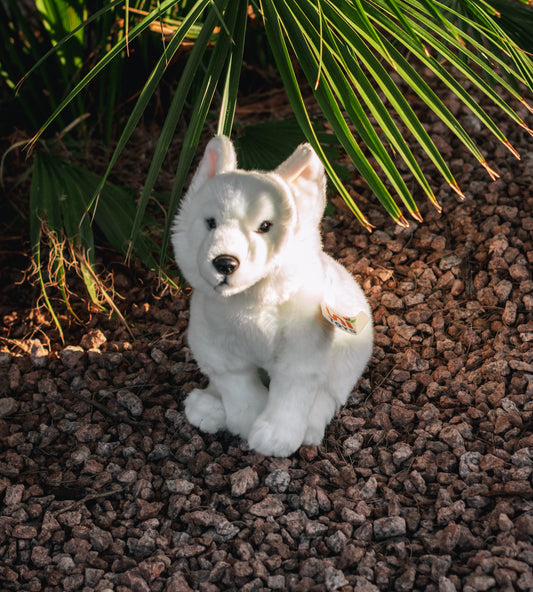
(348, 360)
(320, 414)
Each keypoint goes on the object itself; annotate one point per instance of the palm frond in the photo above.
(357, 58)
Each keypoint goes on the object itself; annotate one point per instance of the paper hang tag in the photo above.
(353, 325)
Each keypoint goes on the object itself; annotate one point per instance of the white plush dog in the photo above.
(267, 296)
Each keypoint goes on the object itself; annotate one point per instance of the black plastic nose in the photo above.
(226, 264)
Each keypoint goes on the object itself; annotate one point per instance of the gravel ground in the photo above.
(424, 480)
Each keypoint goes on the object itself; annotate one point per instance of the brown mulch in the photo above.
(423, 482)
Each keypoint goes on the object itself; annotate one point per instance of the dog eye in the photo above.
(265, 227)
(211, 223)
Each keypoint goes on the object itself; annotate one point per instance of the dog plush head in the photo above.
(234, 226)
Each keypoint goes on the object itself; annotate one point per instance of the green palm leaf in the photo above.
(176, 107)
(283, 61)
(349, 55)
(114, 53)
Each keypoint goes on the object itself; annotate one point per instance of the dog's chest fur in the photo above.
(250, 333)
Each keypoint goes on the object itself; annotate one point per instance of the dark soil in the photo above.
(423, 482)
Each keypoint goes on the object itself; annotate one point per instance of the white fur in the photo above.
(266, 314)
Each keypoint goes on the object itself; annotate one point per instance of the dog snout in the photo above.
(226, 264)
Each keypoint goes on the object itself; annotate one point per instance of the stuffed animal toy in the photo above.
(266, 296)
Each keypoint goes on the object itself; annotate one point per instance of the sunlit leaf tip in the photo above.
(434, 201)
(526, 104)
(493, 174)
(402, 221)
(363, 220)
(458, 191)
(417, 216)
(32, 141)
(437, 206)
(528, 129)
(512, 150)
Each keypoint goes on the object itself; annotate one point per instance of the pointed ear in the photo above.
(302, 162)
(303, 171)
(219, 157)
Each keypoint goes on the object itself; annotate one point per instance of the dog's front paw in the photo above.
(273, 437)
(314, 435)
(205, 411)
